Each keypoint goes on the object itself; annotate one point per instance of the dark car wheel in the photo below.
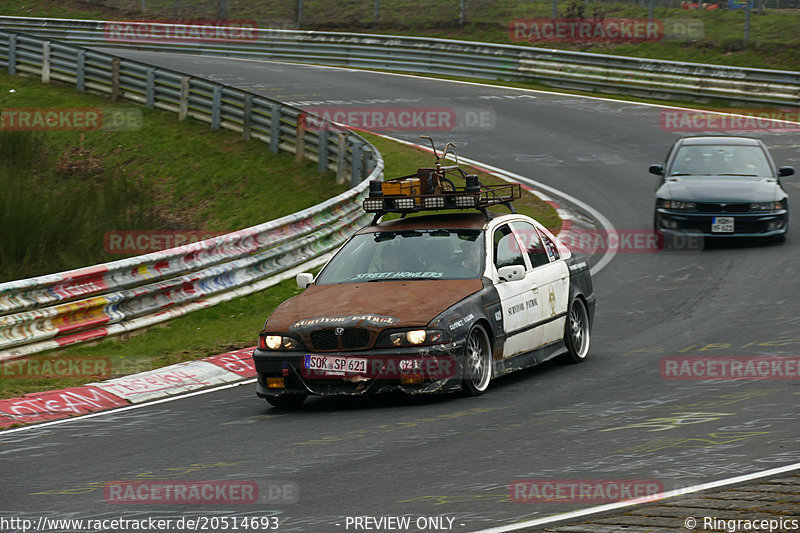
(477, 362)
(287, 401)
(577, 334)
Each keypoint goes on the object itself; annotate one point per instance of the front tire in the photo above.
(287, 401)
(477, 362)
(577, 332)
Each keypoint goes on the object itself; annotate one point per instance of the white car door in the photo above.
(551, 275)
(519, 300)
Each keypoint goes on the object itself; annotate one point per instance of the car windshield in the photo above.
(711, 160)
(411, 254)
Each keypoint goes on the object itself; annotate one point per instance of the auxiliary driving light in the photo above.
(435, 202)
(373, 205)
(465, 201)
(411, 379)
(404, 203)
(275, 383)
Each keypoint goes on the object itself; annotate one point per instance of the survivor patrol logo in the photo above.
(529, 304)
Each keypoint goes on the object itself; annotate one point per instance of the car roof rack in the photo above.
(430, 189)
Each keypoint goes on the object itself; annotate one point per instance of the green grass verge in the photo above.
(234, 324)
(75, 186)
(773, 41)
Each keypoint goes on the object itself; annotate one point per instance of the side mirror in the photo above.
(786, 171)
(304, 279)
(658, 170)
(511, 273)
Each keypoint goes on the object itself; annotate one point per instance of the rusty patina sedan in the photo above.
(428, 304)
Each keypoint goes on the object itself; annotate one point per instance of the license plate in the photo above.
(332, 365)
(722, 225)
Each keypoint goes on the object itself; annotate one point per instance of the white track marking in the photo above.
(639, 501)
(127, 408)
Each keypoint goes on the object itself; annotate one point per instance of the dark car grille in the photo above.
(742, 225)
(722, 208)
(348, 339)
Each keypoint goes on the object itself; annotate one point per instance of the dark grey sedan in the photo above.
(720, 186)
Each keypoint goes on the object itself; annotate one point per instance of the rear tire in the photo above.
(477, 362)
(577, 332)
(287, 401)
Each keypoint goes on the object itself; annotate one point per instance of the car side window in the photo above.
(550, 247)
(533, 244)
(506, 248)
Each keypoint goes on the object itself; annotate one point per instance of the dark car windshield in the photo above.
(710, 160)
(412, 254)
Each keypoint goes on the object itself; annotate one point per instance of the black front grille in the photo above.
(324, 339)
(741, 225)
(347, 339)
(354, 338)
(723, 208)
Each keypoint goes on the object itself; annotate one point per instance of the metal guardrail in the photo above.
(60, 309)
(558, 68)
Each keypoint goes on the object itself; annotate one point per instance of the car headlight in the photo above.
(412, 337)
(415, 336)
(678, 205)
(277, 342)
(766, 206)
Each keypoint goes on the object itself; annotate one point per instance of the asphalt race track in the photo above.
(612, 418)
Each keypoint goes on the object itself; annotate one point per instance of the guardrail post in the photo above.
(341, 158)
(114, 79)
(12, 53)
(275, 128)
(183, 103)
(150, 88)
(369, 162)
(322, 148)
(355, 163)
(216, 106)
(46, 62)
(300, 138)
(247, 117)
(80, 76)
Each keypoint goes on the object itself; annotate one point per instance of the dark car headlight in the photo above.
(767, 206)
(412, 337)
(278, 342)
(678, 205)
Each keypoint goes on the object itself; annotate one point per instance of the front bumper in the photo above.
(383, 374)
(768, 224)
